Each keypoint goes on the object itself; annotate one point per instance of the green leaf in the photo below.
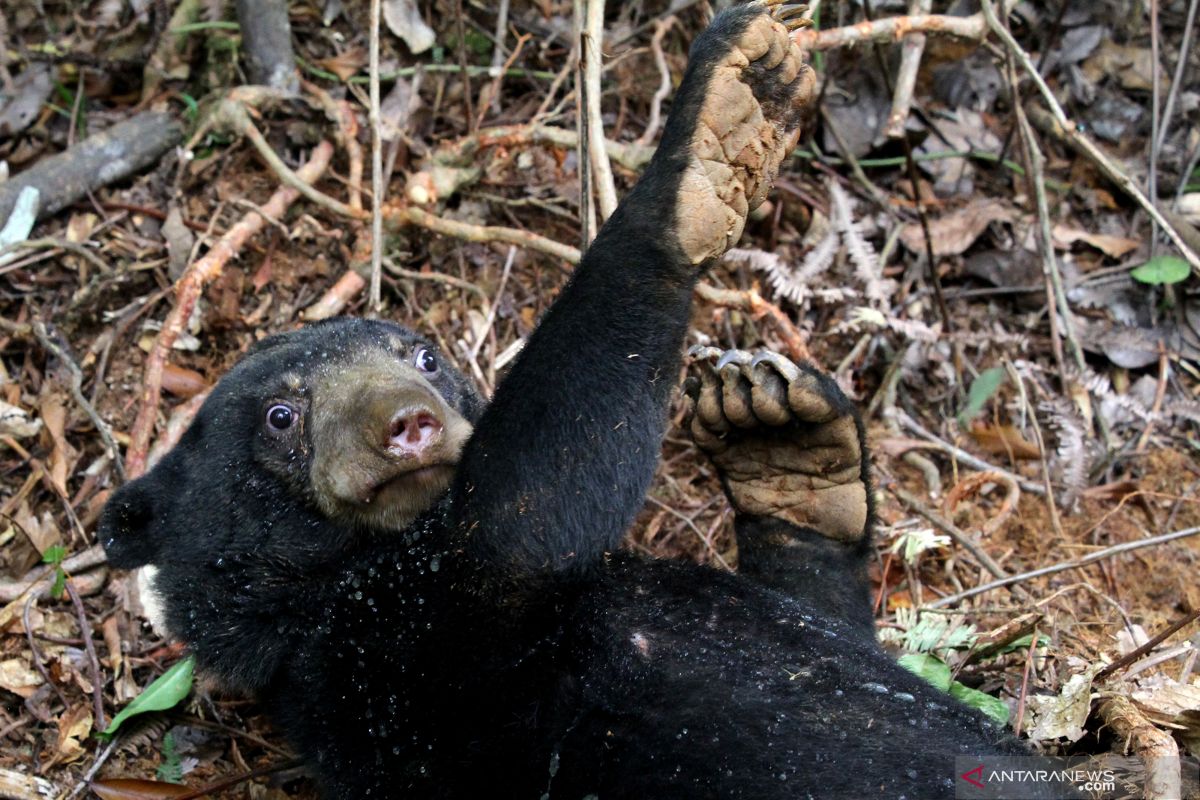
(982, 389)
(929, 667)
(165, 692)
(994, 707)
(1162, 270)
(60, 583)
(54, 554)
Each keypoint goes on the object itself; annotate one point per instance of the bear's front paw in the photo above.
(741, 105)
(784, 439)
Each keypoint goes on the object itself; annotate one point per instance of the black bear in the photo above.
(426, 594)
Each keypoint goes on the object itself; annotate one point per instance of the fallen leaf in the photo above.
(1133, 66)
(954, 232)
(1111, 246)
(62, 456)
(1002, 440)
(403, 18)
(18, 677)
(73, 728)
(1062, 715)
(346, 65)
(134, 789)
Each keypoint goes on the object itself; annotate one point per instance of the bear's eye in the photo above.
(426, 361)
(280, 417)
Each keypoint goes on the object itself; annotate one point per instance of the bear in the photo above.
(425, 591)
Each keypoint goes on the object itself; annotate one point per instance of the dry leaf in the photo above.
(1063, 715)
(953, 233)
(1112, 246)
(1003, 440)
(134, 789)
(62, 455)
(345, 65)
(18, 677)
(73, 728)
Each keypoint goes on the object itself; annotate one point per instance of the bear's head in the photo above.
(316, 440)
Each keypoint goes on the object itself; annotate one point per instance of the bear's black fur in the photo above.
(495, 645)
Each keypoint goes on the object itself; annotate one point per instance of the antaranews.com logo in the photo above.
(1045, 778)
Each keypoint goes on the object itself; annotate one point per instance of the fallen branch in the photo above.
(101, 159)
(267, 44)
(187, 291)
(906, 77)
(1156, 748)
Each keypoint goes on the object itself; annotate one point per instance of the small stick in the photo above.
(1177, 81)
(493, 305)
(962, 455)
(906, 77)
(36, 656)
(374, 296)
(894, 29)
(1091, 558)
(1159, 638)
(482, 233)
(664, 87)
(89, 647)
(1160, 393)
(590, 40)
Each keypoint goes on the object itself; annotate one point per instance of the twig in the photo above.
(374, 296)
(482, 233)
(964, 539)
(1040, 441)
(1180, 71)
(102, 428)
(752, 303)
(36, 656)
(493, 88)
(1066, 130)
(893, 29)
(234, 780)
(335, 298)
(94, 768)
(1160, 393)
(493, 305)
(1155, 641)
(187, 291)
(235, 113)
(85, 630)
(1155, 121)
(962, 455)
(664, 86)
(906, 76)
(341, 112)
(590, 41)
(1091, 558)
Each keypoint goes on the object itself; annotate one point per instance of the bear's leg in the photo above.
(790, 451)
(560, 461)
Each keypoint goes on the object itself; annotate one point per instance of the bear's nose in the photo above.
(411, 433)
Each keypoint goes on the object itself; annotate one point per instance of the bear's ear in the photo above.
(127, 525)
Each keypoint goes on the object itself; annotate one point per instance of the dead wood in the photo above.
(107, 157)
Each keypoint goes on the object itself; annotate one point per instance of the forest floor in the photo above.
(1031, 401)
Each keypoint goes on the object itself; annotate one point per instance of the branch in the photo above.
(893, 29)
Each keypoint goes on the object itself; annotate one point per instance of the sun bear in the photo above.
(427, 594)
